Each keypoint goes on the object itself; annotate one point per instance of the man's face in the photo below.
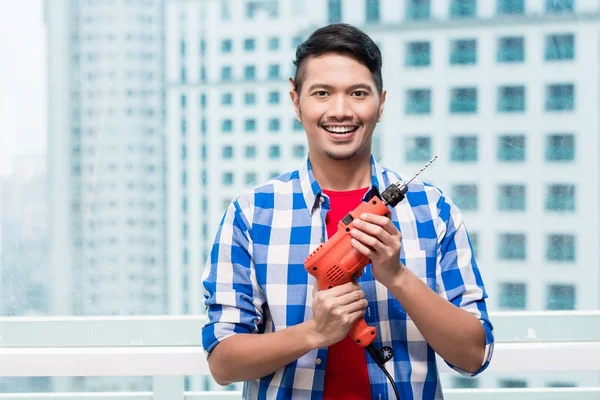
(338, 106)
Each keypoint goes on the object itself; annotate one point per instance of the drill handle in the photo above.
(361, 333)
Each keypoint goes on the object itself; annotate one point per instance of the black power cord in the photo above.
(381, 356)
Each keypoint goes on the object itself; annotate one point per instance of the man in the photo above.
(269, 326)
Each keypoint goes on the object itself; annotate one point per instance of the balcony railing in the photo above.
(169, 347)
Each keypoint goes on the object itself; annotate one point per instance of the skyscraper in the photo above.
(106, 159)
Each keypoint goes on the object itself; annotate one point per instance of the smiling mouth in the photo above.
(341, 130)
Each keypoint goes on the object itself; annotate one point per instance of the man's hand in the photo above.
(335, 310)
(376, 237)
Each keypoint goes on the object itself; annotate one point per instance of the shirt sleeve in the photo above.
(459, 279)
(233, 299)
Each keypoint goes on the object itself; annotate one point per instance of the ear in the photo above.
(381, 104)
(295, 99)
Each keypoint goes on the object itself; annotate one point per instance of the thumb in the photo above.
(315, 288)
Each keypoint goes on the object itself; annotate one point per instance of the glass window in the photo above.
(417, 10)
(460, 382)
(273, 71)
(250, 151)
(297, 125)
(463, 8)
(274, 125)
(250, 178)
(226, 10)
(463, 52)
(463, 101)
(560, 297)
(418, 54)
(334, 8)
(274, 152)
(465, 196)
(273, 97)
(296, 41)
(560, 97)
(464, 149)
(273, 43)
(474, 239)
(513, 296)
(560, 197)
(560, 47)
(511, 99)
(511, 49)
(249, 98)
(249, 44)
(509, 7)
(228, 178)
(511, 198)
(511, 148)
(227, 125)
(560, 5)
(418, 101)
(418, 148)
(372, 10)
(226, 74)
(226, 99)
(561, 247)
(250, 125)
(560, 147)
(512, 383)
(512, 246)
(249, 72)
(226, 45)
(227, 152)
(299, 151)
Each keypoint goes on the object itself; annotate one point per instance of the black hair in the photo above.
(343, 39)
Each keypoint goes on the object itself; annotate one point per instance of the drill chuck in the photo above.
(393, 195)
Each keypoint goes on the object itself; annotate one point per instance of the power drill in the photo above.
(336, 262)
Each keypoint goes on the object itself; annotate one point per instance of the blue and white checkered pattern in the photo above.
(255, 281)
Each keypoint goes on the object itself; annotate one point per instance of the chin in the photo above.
(341, 155)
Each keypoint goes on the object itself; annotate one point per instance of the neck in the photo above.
(342, 175)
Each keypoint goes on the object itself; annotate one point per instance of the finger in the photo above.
(368, 252)
(356, 306)
(379, 220)
(341, 290)
(351, 297)
(367, 240)
(371, 229)
(354, 316)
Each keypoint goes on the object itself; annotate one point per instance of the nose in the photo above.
(340, 107)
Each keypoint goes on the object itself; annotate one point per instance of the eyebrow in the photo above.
(329, 87)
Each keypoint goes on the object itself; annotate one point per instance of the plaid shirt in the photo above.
(255, 281)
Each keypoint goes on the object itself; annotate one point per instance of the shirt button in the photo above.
(322, 200)
(318, 361)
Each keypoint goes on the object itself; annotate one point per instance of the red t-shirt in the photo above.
(346, 374)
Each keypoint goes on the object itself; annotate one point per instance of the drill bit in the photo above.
(419, 172)
(396, 191)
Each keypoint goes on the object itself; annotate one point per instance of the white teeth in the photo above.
(340, 129)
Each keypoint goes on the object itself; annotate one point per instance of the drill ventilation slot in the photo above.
(334, 274)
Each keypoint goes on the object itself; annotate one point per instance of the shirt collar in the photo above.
(312, 192)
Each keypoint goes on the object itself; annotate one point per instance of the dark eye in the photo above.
(321, 93)
(359, 93)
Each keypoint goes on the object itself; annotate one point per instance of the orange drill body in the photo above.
(336, 262)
